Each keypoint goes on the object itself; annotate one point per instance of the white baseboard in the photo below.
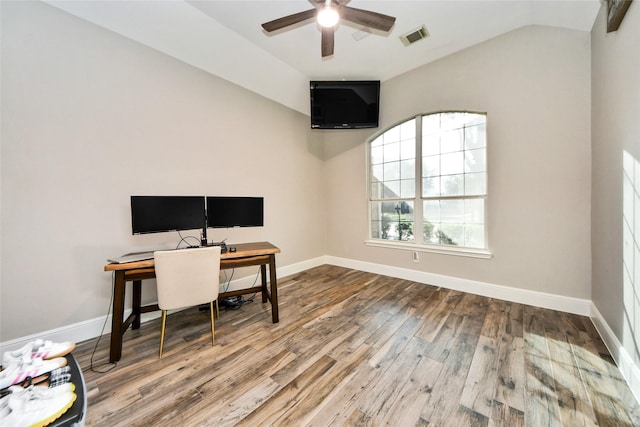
(102, 325)
(522, 296)
(629, 370)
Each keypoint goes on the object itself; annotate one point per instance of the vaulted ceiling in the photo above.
(225, 38)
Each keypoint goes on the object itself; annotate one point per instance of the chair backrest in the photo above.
(187, 277)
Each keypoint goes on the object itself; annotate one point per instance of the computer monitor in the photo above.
(155, 214)
(228, 212)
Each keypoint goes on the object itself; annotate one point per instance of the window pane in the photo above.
(474, 211)
(452, 141)
(430, 220)
(431, 210)
(451, 234)
(391, 171)
(473, 119)
(475, 184)
(392, 135)
(454, 120)
(392, 220)
(377, 173)
(474, 136)
(452, 163)
(474, 236)
(376, 155)
(430, 124)
(431, 144)
(392, 152)
(376, 230)
(377, 189)
(454, 222)
(391, 189)
(376, 213)
(408, 130)
(407, 188)
(452, 211)
(408, 169)
(431, 186)
(452, 185)
(431, 166)
(404, 223)
(408, 149)
(430, 232)
(475, 160)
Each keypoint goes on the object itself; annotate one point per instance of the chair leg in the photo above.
(162, 328)
(213, 328)
(217, 310)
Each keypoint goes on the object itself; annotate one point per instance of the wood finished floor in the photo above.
(359, 349)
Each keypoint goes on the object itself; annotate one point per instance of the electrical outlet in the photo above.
(416, 256)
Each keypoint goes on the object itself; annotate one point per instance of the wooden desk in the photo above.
(247, 254)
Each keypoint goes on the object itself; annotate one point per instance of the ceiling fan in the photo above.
(328, 13)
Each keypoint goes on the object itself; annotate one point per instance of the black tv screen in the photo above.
(345, 104)
(154, 214)
(227, 212)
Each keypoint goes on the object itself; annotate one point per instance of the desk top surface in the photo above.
(243, 250)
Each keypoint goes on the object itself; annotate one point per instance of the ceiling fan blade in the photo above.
(369, 19)
(285, 21)
(327, 42)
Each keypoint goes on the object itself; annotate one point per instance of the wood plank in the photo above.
(414, 395)
(236, 410)
(399, 359)
(434, 316)
(479, 387)
(511, 385)
(289, 395)
(575, 405)
(310, 402)
(602, 388)
(509, 397)
(542, 406)
(507, 416)
(458, 353)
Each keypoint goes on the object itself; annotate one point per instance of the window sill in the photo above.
(443, 250)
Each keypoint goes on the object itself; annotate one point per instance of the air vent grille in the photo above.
(414, 36)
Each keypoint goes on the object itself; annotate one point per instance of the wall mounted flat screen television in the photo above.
(345, 104)
(155, 214)
(228, 212)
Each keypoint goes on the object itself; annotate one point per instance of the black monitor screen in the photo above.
(345, 104)
(154, 214)
(225, 212)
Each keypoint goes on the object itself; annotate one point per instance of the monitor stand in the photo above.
(223, 246)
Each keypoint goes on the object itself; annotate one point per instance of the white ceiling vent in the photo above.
(414, 36)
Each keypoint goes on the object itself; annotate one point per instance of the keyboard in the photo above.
(132, 257)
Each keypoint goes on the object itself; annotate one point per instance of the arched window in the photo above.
(428, 182)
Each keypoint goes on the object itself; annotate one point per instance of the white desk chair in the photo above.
(185, 278)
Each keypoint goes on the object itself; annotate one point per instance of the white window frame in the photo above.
(418, 245)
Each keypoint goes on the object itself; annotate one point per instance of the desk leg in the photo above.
(136, 302)
(275, 316)
(117, 317)
(263, 275)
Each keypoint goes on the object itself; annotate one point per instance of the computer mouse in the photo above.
(232, 249)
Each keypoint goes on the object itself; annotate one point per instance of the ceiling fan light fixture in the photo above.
(328, 17)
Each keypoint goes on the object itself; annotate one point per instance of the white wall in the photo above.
(90, 118)
(615, 217)
(534, 85)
